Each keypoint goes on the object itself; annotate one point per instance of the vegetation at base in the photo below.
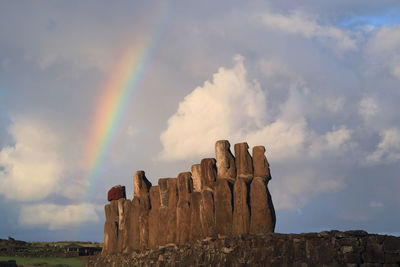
(45, 262)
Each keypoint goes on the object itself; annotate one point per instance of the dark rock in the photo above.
(374, 254)
(311, 249)
(391, 244)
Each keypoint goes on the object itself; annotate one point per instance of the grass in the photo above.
(46, 262)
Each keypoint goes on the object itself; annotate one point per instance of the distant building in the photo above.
(75, 250)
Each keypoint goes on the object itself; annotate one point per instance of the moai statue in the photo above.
(208, 173)
(262, 209)
(226, 168)
(241, 210)
(172, 207)
(163, 211)
(154, 216)
(134, 227)
(124, 206)
(183, 212)
(244, 162)
(115, 225)
(196, 177)
(207, 213)
(111, 228)
(142, 192)
(223, 207)
(196, 231)
(260, 163)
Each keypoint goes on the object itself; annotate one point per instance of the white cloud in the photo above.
(56, 217)
(308, 27)
(367, 108)
(229, 105)
(32, 167)
(285, 139)
(388, 149)
(337, 138)
(335, 141)
(383, 49)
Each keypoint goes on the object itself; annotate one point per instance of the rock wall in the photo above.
(223, 196)
(333, 248)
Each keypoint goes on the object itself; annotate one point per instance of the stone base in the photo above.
(333, 248)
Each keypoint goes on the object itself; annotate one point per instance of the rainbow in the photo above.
(116, 97)
(118, 92)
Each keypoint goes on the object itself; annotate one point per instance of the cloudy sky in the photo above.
(91, 91)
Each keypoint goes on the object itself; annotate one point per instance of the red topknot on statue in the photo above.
(116, 192)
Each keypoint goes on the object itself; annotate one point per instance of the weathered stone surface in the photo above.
(244, 162)
(172, 206)
(260, 163)
(196, 177)
(111, 211)
(163, 185)
(226, 168)
(154, 216)
(207, 213)
(185, 186)
(133, 232)
(110, 245)
(241, 210)
(208, 173)
(144, 209)
(311, 249)
(124, 206)
(116, 192)
(183, 212)
(262, 210)
(163, 211)
(196, 232)
(223, 207)
(141, 186)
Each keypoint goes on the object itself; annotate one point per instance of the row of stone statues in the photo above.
(223, 196)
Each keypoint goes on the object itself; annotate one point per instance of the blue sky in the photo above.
(317, 83)
(385, 17)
